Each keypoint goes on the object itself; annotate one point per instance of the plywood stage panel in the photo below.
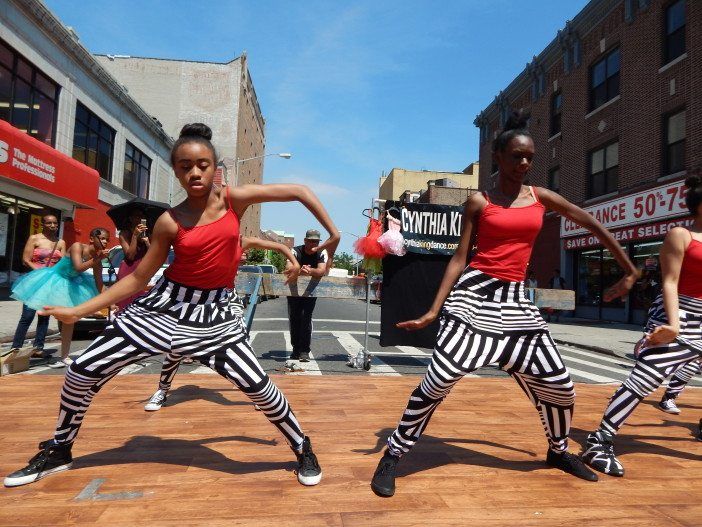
(209, 459)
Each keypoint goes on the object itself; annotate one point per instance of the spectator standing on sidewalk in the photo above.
(556, 282)
(41, 250)
(300, 308)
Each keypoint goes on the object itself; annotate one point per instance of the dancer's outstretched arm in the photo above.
(164, 233)
(455, 266)
(245, 195)
(562, 206)
(291, 271)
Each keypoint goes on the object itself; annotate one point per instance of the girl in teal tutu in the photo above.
(66, 283)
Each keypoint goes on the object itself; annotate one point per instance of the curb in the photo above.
(30, 335)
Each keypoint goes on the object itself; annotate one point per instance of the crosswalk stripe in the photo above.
(592, 376)
(592, 364)
(353, 347)
(340, 321)
(599, 356)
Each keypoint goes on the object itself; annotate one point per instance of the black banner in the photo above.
(431, 229)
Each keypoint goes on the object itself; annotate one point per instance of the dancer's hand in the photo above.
(330, 246)
(418, 323)
(67, 315)
(291, 273)
(622, 287)
(662, 335)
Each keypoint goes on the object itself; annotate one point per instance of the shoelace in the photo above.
(385, 467)
(39, 460)
(309, 460)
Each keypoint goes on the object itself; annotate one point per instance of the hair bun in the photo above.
(196, 130)
(517, 121)
(693, 182)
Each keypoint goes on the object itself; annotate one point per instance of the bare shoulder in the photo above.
(475, 202)
(165, 224)
(678, 236)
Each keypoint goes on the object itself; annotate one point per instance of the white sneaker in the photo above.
(61, 363)
(669, 406)
(156, 401)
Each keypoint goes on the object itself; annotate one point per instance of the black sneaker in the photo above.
(304, 357)
(383, 482)
(599, 454)
(571, 464)
(50, 460)
(308, 470)
(294, 356)
(699, 434)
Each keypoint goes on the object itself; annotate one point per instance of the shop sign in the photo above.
(665, 201)
(431, 229)
(35, 226)
(628, 234)
(30, 162)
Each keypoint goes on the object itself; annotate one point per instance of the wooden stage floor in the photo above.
(210, 459)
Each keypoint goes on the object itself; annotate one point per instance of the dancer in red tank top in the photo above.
(486, 318)
(191, 311)
(673, 334)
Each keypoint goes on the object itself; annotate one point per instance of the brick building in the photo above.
(616, 118)
(222, 96)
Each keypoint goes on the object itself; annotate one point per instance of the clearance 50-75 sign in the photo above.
(666, 201)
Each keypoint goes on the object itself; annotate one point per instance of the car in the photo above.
(100, 319)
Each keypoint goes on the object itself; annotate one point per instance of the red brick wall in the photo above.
(636, 119)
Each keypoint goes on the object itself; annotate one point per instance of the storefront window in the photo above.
(19, 219)
(589, 271)
(27, 96)
(597, 270)
(646, 258)
(137, 166)
(611, 274)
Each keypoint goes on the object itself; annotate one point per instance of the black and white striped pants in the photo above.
(681, 378)
(181, 321)
(655, 364)
(171, 361)
(526, 352)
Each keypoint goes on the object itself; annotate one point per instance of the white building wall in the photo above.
(80, 82)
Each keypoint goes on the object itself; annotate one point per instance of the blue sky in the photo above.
(352, 89)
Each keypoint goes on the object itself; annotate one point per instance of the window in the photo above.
(28, 98)
(93, 141)
(597, 270)
(137, 168)
(674, 156)
(604, 170)
(554, 179)
(674, 31)
(556, 102)
(604, 79)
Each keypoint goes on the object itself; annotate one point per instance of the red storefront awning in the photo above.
(30, 162)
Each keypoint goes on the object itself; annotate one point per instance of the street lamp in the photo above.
(284, 155)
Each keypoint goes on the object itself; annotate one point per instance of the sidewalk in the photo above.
(603, 337)
(10, 311)
(609, 338)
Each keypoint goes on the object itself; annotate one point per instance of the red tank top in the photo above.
(690, 282)
(207, 256)
(505, 238)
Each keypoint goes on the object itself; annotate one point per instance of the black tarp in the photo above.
(410, 283)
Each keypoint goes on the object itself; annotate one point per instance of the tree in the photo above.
(344, 261)
(278, 260)
(255, 256)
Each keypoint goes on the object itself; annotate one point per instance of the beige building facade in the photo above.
(220, 95)
(401, 181)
